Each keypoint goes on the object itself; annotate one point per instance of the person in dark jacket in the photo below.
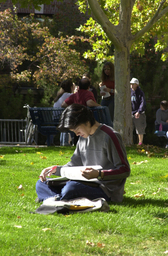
(138, 104)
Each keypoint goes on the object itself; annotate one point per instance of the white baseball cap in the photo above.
(134, 81)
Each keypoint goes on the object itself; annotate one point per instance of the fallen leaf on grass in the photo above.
(145, 247)
(154, 193)
(166, 176)
(90, 243)
(39, 153)
(138, 181)
(16, 226)
(43, 157)
(31, 163)
(138, 163)
(22, 195)
(1, 157)
(139, 195)
(149, 154)
(100, 245)
(18, 217)
(20, 187)
(46, 229)
(159, 218)
(61, 153)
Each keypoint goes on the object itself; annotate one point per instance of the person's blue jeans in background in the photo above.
(66, 138)
(109, 102)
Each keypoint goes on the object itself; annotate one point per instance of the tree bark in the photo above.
(122, 109)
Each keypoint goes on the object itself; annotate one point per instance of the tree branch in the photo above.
(102, 19)
(155, 18)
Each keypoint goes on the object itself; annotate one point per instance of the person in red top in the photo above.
(107, 87)
(83, 96)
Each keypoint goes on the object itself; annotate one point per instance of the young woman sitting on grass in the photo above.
(98, 144)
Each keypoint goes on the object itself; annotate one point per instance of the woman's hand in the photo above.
(102, 93)
(107, 89)
(137, 115)
(90, 173)
(47, 172)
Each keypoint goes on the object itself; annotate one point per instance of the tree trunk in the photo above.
(122, 110)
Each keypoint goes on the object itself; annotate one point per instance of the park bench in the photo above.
(47, 119)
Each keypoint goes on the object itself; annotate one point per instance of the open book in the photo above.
(74, 173)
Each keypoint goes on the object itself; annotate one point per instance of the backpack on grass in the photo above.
(81, 205)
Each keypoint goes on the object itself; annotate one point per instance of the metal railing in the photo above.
(12, 131)
(18, 131)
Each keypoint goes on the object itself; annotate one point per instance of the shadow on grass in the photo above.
(133, 202)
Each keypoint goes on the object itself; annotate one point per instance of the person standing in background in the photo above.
(107, 87)
(138, 109)
(161, 122)
(67, 88)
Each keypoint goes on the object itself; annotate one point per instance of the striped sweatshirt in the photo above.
(105, 148)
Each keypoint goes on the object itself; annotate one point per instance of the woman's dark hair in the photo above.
(75, 115)
(66, 85)
(164, 104)
(104, 77)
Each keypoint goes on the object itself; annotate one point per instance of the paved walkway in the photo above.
(24, 146)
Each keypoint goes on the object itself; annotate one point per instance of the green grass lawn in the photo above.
(137, 226)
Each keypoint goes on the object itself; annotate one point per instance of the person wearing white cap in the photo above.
(138, 109)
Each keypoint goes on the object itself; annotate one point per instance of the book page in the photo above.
(74, 172)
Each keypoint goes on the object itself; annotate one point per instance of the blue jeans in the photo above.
(109, 102)
(64, 138)
(72, 189)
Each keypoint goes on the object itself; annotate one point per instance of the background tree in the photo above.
(128, 25)
(35, 57)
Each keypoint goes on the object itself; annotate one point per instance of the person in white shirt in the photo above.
(67, 88)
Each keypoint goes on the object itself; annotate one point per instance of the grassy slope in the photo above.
(137, 226)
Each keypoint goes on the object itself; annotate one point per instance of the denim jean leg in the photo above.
(64, 139)
(44, 191)
(75, 189)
